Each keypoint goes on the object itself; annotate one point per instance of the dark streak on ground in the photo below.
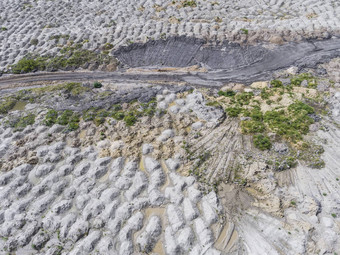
(228, 62)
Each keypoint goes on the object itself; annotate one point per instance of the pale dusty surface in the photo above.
(123, 196)
(124, 22)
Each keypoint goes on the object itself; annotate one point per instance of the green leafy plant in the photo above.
(262, 142)
(130, 119)
(244, 31)
(252, 127)
(51, 118)
(7, 105)
(233, 111)
(189, 3)
(276, 83)
(97, 85)
(228, 93)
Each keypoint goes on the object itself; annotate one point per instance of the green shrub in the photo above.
(75, 88)
(70, 57)
(291, 125)
(51, 118)
(118, 115)
(297, 80)
(233, 111)
(213, 104)
(34, 41)
(130, 119)
(244, 98)
(25, 65)
(116, 107)
(256, 114)
(7, 105)
(189, 3)
(89, 114)
(252, 127)
(65, 117)
(107, 46)
(73, 126)
(300, 108)
(228, 93)
(24, 122)
(97, 85)
(244, 31)
(262, 142)
(276, 83)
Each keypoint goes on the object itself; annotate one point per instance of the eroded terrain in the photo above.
(113, 168)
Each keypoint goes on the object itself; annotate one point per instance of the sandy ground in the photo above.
(55, 23)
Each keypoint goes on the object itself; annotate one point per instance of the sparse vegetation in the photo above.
(34, 41)
(130, 119)
(252, 127)
(297, 80)
(51, 118)
(262, 142)
(228, 93)
(7, 104)
(276, 84)
(69, 58)
(189, 3)
(97, 85)
(19, 123)
(244, 31)
(233, 111)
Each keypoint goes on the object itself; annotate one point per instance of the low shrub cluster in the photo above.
(19, 123)
(66, 118)
(297, 80)
(262, 142)
(69, 58)
(7, 104)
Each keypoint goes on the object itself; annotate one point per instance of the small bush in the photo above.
(256, 114)
(233, 111)
(116, 107)
(7, 105)
(300, 108)
(89, 114)
(130, 119)
(107, 46)
(244, 98)
(213, 104)
(75, 88)
(118, 115)
(25, 65)
(73, 126)
(51, 118)
(97, 85)
(23, 122)
(244, 31)
(252, 127)
(189, 3)
(65, 117)
(297, 80)
(262, 142)
(228, 93)
(34, 41)
(276, 83)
